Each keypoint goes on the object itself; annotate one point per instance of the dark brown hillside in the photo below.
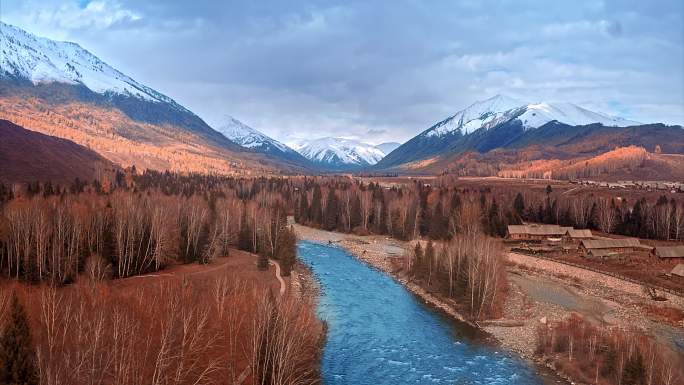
(27, 156)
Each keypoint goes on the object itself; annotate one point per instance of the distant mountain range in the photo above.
(323, 154)
(489, 129)
(251, 138)
(61, 89)
(341, 154)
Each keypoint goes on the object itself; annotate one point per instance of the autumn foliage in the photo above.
(599, 355)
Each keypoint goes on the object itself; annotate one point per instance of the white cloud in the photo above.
(582, 27)
(379, 70)
(57, 19)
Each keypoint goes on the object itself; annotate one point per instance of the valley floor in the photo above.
(541, 291)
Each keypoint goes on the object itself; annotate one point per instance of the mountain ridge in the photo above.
(253, 139)
(338, 154)
(492, 123)
(61, 89)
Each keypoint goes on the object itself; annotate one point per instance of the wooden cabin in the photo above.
(606, 247)
(577, 235)
(669, 253)
(536, 232)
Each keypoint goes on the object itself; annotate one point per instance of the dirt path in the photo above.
(239, 263)
(279, 276)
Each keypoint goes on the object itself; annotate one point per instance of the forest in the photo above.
(444, 209)
(62, 247)
(69, 315)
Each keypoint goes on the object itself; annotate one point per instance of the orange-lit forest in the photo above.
(91, 291)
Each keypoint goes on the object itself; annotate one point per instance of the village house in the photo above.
(534, 232)
(577, 235)
(606, 247)
(669, 253)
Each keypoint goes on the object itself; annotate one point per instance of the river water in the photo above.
(379, 333)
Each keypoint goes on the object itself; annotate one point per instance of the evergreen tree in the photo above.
(519, 206)
(245, 234)
(331, 211)
(17, 358)
(634, 372)
(425, 214)
(495, 225)
(439, 228)
(315, 208)
(417, 265)
(355, 212)
(287, 251)
(610, 362)
(302, 214)
(262, 262)
(455, 205)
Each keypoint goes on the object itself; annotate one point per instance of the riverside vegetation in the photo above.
(462, 259)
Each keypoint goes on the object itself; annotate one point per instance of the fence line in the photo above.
(608, 273)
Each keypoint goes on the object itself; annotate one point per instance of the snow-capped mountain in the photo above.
(77, 96)
(499, 109)
(41, 60)
(29, 60)
(338, 153)
(248, 137)
(497, 122)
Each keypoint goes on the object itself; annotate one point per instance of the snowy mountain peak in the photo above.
(339, 153)
(41, 60)
(485, 113)
(499, 109)
(248, 137)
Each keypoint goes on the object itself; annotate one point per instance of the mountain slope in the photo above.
(568, 152)
(28, 156)
(60, 89)
(338, 154)
(248, 137)
(387, 147)
(493, 123)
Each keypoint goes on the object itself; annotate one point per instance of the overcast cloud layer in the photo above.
(379, 70)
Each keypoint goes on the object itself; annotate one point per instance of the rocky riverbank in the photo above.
(536, 297)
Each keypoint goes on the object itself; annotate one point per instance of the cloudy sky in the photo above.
(379, 70)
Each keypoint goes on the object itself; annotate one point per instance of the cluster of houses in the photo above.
(639, 184)
(554, 237)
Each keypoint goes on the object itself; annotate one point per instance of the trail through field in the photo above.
(239, 263)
